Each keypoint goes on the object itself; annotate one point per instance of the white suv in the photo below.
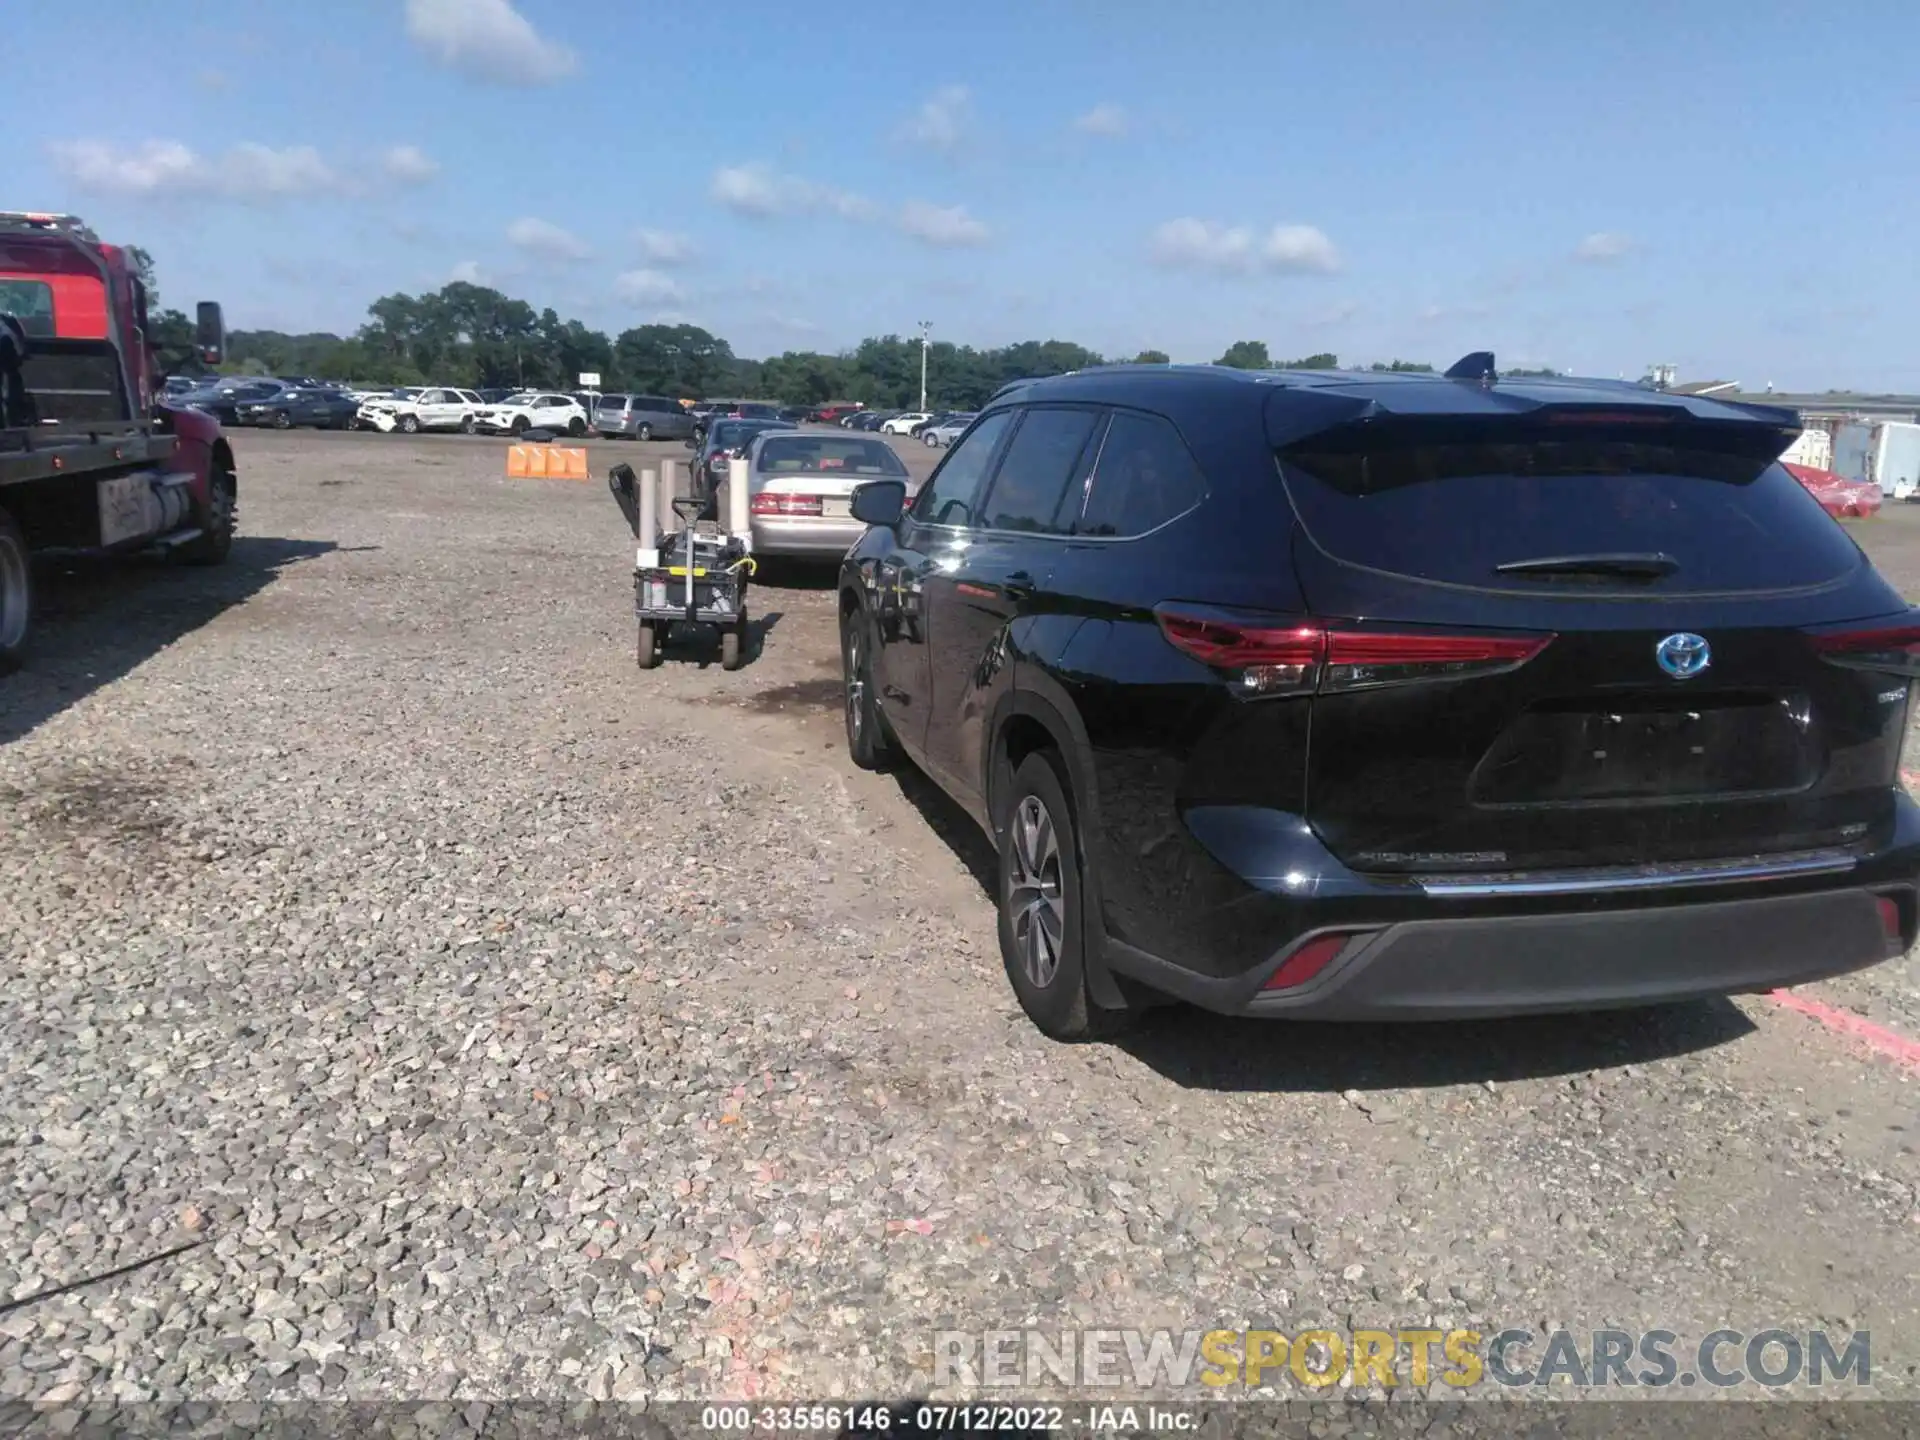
(534, 410)
(903, 424)
(442, 409)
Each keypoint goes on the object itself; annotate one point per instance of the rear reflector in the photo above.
(765, 504)
(1308, 961)
(1890, 917)
(1294, 659)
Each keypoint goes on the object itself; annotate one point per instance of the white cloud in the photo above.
(248, 172)
(467, 272)
(409, 165)
(1300, 247)
(546, 239)
(1105, 120)
(161, 168)
(945, 226)
(759, 191)
(488, 40)
(1603, 246)
(663, 247)
(1236, 250)
(648, 287)
(942, 121)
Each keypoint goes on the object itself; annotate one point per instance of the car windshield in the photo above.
(782, 454)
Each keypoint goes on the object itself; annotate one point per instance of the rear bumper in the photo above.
(1406, 954)
(804, 536)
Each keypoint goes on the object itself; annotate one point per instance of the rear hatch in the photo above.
(1566, 635)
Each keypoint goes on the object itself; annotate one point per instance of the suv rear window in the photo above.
(1456, 509)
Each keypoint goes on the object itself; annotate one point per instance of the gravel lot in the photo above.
(492, 1019)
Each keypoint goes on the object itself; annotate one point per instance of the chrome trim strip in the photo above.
(1648, 877)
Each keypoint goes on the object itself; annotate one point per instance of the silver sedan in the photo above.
(800, 486)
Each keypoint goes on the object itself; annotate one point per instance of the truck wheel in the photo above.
(645, 432)
(16, 593)
(730, 647)
(466, 424)
(409, 424)
(647, 652)
(216, 538)
(576, 426)
(282, 420)
(520, 425)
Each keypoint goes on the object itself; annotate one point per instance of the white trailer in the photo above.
(1880, 452)
(1814, 449)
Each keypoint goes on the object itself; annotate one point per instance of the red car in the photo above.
(1837, 495)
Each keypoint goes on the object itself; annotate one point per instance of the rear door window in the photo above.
(1044, 459)
(1144, 477)
(1456, 507)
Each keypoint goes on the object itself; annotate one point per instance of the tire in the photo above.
(216, 539)
(520, 425)
(731, 647)
(1042, 921)
(868, 744)
(409, 424)
(282, 420)
(466, 425)
(576, 427)
(645, 432)
(932, 444)
(647, 649)
(16, 594)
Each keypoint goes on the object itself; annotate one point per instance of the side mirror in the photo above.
(880, 502)
(209, 333)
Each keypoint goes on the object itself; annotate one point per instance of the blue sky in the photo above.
(1729, 188)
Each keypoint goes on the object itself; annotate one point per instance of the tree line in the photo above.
(472, 335)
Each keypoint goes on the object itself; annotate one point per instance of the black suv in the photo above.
(1392, 696)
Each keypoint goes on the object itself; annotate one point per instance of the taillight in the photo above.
(1313, 657)
(1893, 648)
(766, 504)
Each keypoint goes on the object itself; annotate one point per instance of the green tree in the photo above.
(1322, 361)
(1412, 367)
(1153, 357)
(1246, 355)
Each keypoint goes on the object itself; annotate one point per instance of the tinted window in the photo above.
(948, 497)
(1143, 478)
(1031, 487)
(31, 303)
(1456, 511)
(830, 454)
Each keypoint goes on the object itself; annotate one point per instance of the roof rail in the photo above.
(1477, 367)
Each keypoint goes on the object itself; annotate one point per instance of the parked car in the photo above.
(834, 412)
(642, 417)
(223, 397)
(532, 410)
(796, 414)
(800, 487)
(947, 431)
(903, 423)
(324, 408)
(869, 420)
(927, 422)
(1622, 724)
(725, 441)
(436, 408)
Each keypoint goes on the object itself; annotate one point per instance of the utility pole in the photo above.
(926, 332)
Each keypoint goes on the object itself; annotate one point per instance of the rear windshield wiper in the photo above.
(1648, 566)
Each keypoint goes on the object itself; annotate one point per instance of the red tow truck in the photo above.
(92, 459)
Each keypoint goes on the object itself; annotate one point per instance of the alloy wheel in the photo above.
(1036, 899)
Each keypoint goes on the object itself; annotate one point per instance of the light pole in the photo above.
(926, 331)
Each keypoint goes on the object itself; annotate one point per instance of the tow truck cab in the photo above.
(92, 456)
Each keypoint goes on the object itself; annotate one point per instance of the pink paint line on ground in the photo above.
(1889, 1044)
